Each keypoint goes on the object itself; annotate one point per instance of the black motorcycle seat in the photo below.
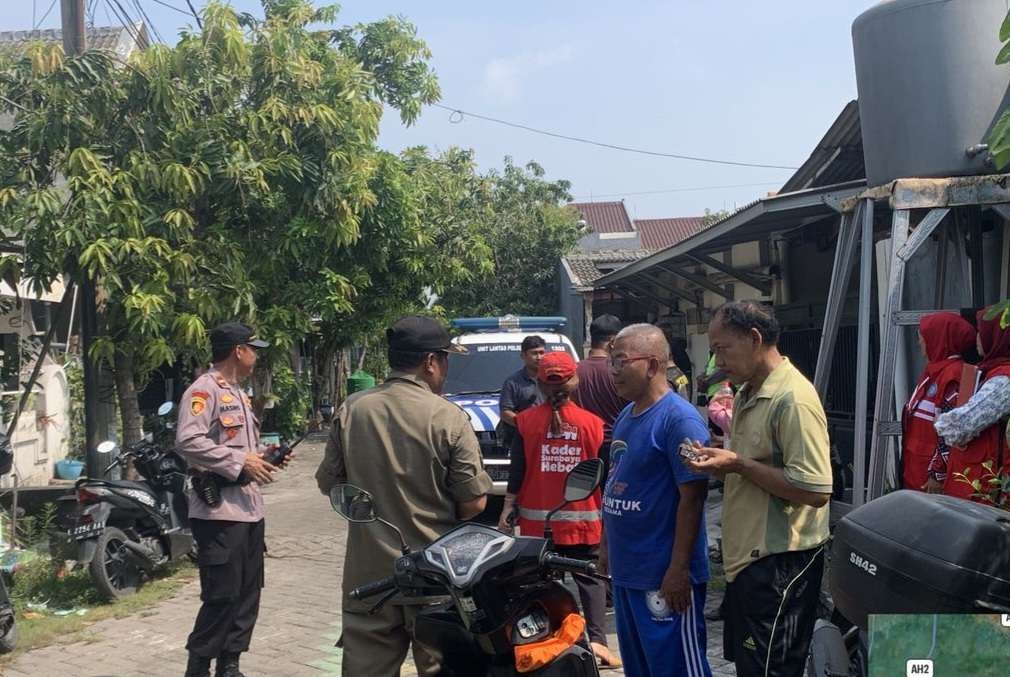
(123, 484)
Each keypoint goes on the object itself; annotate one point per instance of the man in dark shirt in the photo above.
(596, 391)
(520, 390)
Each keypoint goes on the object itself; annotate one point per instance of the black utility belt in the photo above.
(207, 485)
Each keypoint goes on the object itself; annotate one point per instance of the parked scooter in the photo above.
(8, 629)
(125, 529)
(509, 614)
(909, 553)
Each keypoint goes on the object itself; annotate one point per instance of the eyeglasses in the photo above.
(618, 363)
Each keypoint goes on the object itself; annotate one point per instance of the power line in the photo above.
(678, 190)
(124, 18)
(36, 24)
(170, 6)
(628, 149)
(196, 16)
(147, 20)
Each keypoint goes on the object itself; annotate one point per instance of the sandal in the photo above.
(606, 658)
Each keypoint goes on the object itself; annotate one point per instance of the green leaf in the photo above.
(1004, 29)
(1004, 55)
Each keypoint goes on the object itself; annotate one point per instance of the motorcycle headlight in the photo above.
(459, 553)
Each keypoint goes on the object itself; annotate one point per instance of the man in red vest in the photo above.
(553, 438)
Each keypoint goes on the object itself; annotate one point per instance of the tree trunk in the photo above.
(261, 388)
(342, 371)
(129, 406)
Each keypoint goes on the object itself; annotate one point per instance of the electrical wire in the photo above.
(170, 6)
(457, 116)
(36, 24)
(125, 19)
(150, 24)
(676, 190)
(195, 14)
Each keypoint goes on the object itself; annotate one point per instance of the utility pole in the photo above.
(96, 425)
(72, 15)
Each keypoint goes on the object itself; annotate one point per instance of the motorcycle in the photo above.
(125, 529)
(908, 553)
(508, 613)
(8, 628)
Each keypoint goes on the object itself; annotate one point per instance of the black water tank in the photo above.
(928, 85)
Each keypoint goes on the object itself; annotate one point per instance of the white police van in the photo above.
(474, 381)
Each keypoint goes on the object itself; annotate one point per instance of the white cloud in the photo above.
(503, 77)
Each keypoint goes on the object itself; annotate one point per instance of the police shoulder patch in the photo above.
(227, 398)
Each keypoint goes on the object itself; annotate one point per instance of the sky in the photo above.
(755, 82)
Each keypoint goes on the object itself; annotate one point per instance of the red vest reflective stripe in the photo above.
(990, 445)
(919, 439)
(548, 461)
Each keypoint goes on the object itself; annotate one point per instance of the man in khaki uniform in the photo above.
(778, 485)
(416, 453)
(218, 433)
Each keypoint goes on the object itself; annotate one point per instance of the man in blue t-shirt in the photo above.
(654, 542)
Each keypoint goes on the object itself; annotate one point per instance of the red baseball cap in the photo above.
(556, 367)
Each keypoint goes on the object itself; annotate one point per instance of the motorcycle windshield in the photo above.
(460, 553)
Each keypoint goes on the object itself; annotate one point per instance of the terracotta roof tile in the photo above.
(586, 267)
(605, 217)
(659, 234)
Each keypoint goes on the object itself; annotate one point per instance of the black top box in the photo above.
(910, 552)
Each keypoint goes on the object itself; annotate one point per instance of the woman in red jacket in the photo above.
(944, 339)
(974, 431)
(552, 438)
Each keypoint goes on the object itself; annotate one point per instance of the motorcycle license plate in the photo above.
(498, 473)
(85, 531)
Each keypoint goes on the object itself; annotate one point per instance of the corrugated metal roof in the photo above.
(838, 157)
(662, 233)
(757, 220)
(605, 217)
(110, 38)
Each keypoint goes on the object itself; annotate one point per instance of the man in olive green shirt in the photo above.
(417, 454)
(778, 484)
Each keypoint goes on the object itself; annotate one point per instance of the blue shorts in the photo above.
(655, 641)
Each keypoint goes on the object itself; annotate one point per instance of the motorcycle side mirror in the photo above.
(166, 408)
(583, 479)
(353, 503)
(580, 484)
(106, 447)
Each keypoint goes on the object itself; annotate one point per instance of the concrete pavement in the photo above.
(299, 618)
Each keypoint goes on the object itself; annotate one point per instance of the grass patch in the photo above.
(37, 582)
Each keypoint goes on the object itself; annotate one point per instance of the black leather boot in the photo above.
(227, 665)
(198, 666)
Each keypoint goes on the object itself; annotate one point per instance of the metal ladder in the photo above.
(856, 227)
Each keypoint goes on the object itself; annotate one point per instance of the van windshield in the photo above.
(486, 367)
